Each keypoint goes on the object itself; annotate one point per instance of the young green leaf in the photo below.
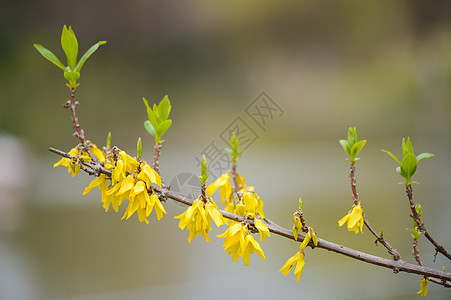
(392, 156)
(87, 55)
(424, 155)
(71, 76)
(70, 46)
(352, 136)
(203, 165)
(409, 165)
(163, 127)
(50, 56)
(345, 145)
(164, 108)
(139, 148)
(108, 140)
(149, 127)
(357, 147)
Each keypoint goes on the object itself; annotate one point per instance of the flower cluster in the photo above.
(245, 203)
(79, 155)
(354, 219)
(298, 258)
(130, 179)
(240, 243)
(197, 218)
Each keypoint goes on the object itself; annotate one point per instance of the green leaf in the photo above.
(392, 155)
(164, 108)
(400, 172)
(352, 136)
(50, 56)
(108, 140)
(357, 147)
(203, 165)
(419, 210)
(163, 127)
(88, 54)
(139, 148)
(424, 155)
(409, 165)
(406, 146)
(70, 46)
(156, 114)
(234, 143)
(149, 127)
(153, 119)
(345, 145)
(72, 77)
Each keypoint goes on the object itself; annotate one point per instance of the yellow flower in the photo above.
(223, 182)
(139, 200)
(298, 259)
(197, 219)
(424, 287)
(354, 219)
(149, 175)
(97, 152)
(73, 165)
(240, 243)
(262, 229)
(311, 235)
(240, 180)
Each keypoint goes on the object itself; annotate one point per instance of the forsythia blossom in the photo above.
(130, 179)
(240, 243)
(424, 287)
(298, 259)
(197, 218)
(73, 165)
(354, 219)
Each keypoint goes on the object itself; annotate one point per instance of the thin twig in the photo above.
(443, 278)
(355, 196)
(417, 219)
(156, 158)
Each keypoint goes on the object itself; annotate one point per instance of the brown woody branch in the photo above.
(355, 196)
(417, 219)
(441, 277)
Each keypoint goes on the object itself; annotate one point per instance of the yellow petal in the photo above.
(305, 241)
(343, 220)
(215, 215)
(96, 182)
(289, 264)
(424, 287)
(299, 266)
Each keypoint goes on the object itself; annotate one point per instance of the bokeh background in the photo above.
(383, 66)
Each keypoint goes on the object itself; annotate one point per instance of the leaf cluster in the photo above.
(69, 44)
(408, 163)
(351, 146)
(415, 232)
(203, 171)
(234, 145)
(158, 122)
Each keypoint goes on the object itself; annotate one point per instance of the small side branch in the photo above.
(417, 219)
(355, 196)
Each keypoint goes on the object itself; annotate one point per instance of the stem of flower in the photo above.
(156, 161)
(417, 219)
(355, 196)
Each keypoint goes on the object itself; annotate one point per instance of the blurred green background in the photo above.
(382, 66)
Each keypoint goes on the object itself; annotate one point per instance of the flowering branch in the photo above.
(442, 277)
